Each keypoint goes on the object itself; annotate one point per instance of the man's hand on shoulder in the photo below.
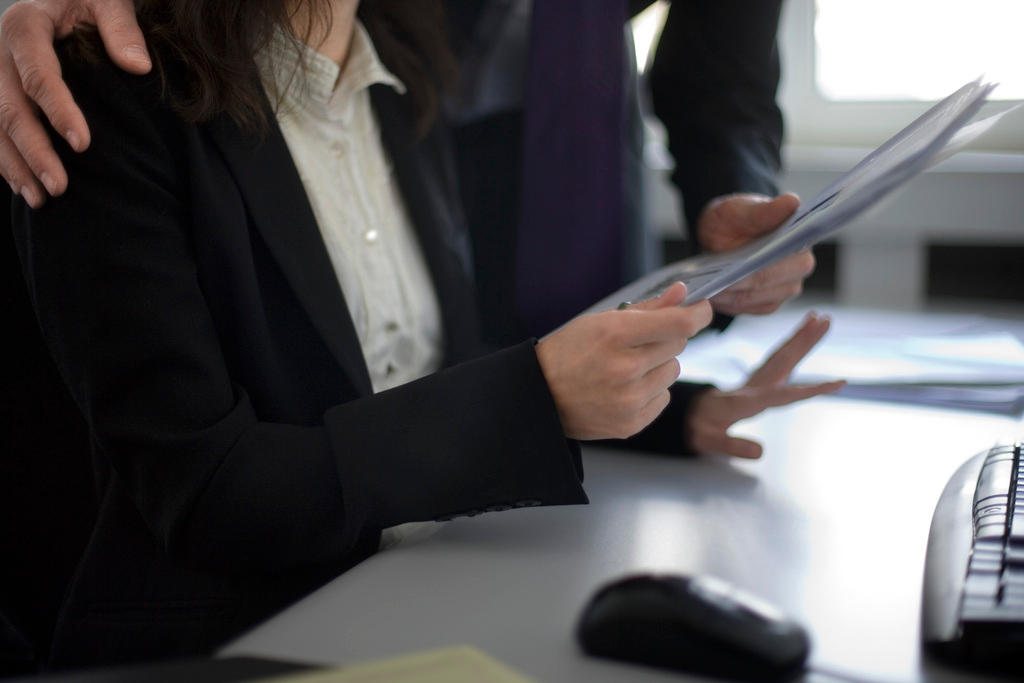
(30, 77)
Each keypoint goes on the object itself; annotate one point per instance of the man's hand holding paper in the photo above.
(733, 221)
(934, 136)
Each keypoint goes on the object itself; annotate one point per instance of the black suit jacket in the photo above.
(712, 84)
(185, 293)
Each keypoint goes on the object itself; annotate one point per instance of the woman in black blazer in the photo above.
(186, 294)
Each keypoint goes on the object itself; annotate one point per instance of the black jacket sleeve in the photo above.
(713, 85)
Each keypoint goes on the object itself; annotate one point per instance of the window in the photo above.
(856, 71)
(646, 27)
(917, 49)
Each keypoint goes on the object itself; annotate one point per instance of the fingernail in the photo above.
(14, 188)
(136, 53)
(31, 196)
(49, 183)
(73, 140)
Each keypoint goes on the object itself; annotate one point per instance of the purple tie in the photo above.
(569, 245)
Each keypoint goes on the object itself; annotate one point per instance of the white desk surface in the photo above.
(831, 526)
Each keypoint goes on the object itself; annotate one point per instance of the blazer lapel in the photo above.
(426, 176)
(273, 191)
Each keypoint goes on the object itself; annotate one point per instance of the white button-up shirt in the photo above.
(334, 140)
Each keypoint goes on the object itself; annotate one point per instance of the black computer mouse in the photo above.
(695, 624)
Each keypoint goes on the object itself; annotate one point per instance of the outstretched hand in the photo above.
(609, 372)
(30, 76)
(734, 220)
(714, 411)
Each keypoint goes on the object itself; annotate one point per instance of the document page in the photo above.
(933, 137)
(958, 361)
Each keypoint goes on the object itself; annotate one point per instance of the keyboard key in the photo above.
(994, 479)
(1013, 574)
(1015, 555)
(994, 499)
(988, 545)
(987, 550)
(1013, 589)
(999, 452)
(981, 584)
(1012, 596)
(982, 565)
(976, 608)
(986, 565)
(990, 509)
(1017, 529)
(992, 518)
(1013, 604)
(990, 531)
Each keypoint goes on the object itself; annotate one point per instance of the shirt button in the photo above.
(338, 148)
(391, 326)
(371, 236)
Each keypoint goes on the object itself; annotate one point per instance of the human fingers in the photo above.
(766, 216)
(641, 328)
(733, 220)
(652, 410)
(660, 377)
(778, 366)
(18, 174)
(121, 35)
(28, 33)
(17, 122)
(755, 301)
(767, 289)
(646, 398)
(716, 440)
(601, 386)
(659, 352)
(793, 268)
(791, 393)
(29, 70)
(673, 295)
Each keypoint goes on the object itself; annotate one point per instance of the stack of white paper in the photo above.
(956, 361)
(935, 136)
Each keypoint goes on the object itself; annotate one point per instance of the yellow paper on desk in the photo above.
(459, 664)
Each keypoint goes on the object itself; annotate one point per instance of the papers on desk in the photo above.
(953, 361)
(935, 136)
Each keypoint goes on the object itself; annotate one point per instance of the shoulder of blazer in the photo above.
(137, 130)
(127, 114)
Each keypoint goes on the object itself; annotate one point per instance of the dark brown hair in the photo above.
(215, 42)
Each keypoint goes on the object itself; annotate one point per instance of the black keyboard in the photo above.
(973, 601)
